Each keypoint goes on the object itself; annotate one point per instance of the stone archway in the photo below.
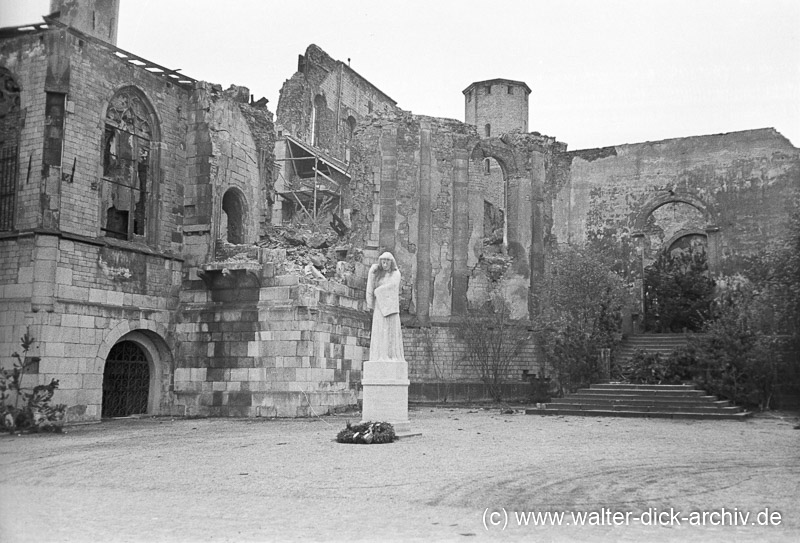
(126, 381)
(144, 346)
(676, 287)
(504, 194)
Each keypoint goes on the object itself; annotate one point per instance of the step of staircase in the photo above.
(653, 401)
(663, 344)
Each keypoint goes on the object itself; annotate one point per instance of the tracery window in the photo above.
(9, 147)
(127, 165)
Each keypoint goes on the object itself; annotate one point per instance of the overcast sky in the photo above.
(603, 72)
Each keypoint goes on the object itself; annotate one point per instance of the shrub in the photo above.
(739, 362)
(653, 369)
(36, 414)
(581, 303)
(678, 291)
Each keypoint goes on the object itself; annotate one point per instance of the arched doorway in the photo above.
(677, 286)
(126, 381)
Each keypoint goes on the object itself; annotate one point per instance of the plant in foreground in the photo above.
(36, 413)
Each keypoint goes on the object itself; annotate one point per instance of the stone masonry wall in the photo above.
(346, 94)
(77, 291)
(437, 357)
(504, 112)
(264, 344)
(742, 182)
(26, 59)
(415, 162)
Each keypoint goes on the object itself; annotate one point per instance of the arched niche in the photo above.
(233, 227)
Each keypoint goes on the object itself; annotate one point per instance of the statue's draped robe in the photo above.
(386, 341)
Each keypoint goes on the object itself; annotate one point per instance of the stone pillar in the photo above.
(388, 197)
(537, 241)
(518, 216)
(637, 321)
(45, 262)
(422, 284)
(537, 227)
(461, 233)
(713, 242)
(385, 393)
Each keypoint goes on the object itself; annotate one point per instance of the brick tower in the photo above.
(497, 106)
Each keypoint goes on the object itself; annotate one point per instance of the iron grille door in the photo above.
(126, 381)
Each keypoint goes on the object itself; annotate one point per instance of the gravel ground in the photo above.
(162, 479)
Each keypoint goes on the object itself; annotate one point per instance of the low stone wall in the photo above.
(436, 354)
(455, 392)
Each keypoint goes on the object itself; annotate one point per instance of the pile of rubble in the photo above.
(313, 255)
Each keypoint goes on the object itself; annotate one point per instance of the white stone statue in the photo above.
(383, 295)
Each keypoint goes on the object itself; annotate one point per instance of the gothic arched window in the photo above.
(10, 122)
(128, 164)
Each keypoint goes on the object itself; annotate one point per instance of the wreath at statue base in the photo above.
(367, 433)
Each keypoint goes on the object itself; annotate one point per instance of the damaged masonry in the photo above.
(175, 248)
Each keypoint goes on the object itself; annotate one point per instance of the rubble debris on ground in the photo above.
(313, 255)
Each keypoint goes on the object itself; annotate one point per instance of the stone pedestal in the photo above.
(385, 398)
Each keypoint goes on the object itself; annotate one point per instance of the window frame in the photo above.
(129, 145)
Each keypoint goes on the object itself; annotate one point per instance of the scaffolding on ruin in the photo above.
(316, 191)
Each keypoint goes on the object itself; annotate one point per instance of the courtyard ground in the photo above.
(473, 473)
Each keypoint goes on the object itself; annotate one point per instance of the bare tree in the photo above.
(443, 365)
(493, 342)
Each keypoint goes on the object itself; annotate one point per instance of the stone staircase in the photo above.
(652, 401)
(663, 344)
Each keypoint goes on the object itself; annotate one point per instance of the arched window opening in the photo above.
(10, 119)
(318, 119)
(487, 130)
(234, 208)
(492, 186)
(128, 142)
(126, 381)
(351, 127)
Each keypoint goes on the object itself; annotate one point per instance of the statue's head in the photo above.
(387, 262)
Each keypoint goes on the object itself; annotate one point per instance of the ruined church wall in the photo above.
(25, 58)
(345, 92)
(76, 291)
(745, 181)
(415, 163)
(95, 74)
(428, 210)
(229, 144)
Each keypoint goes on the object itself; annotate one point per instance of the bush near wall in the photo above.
(581, 301)
(27, 409)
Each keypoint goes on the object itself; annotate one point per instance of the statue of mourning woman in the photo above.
(385, 377)
(383, 297)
